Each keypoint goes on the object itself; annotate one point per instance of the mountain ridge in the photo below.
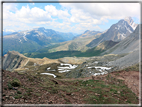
(36, 38)
(127, 45)
(116, 32)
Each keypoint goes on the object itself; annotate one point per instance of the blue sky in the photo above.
(67, 17)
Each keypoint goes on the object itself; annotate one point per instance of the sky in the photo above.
(67, 17)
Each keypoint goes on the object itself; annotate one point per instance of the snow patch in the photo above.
(20, 40)
(128, 29)
(102, 73)
(66, 69)
(25, 36)
(122, 36)
(103, 68)
(48, 68)
(49, 74)
(35, 64)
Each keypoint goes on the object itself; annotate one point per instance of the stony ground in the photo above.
(107, 89)
(131, 79)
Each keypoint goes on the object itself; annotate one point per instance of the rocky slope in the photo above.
(39, 89)
(116, 32)
(126, 61)
(129, 44)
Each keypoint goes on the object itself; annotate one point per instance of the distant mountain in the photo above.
(87, 33)
(129, 44)
(31, 40)
(116, 32)
(67, 36)
(77, 44)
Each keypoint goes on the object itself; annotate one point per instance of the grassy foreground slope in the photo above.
(41, 89)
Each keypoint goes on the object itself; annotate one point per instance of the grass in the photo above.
(97, 91)
(69, 53)
(132, 68)
(19, 92)
(17, 96)
(110, 91)
(15, 82)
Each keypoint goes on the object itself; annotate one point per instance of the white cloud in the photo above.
(106, 10)
(77, 17)
(9, 30)
(33, 15)
(54, 12)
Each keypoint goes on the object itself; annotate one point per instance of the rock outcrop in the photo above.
(13, 60)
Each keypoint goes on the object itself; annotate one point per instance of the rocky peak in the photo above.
(131, 22)
(128, 19)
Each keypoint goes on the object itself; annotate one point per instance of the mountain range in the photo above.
(32, 40)
(41, 42)
(92, 43)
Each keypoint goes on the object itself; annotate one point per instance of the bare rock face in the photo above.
(13, 60)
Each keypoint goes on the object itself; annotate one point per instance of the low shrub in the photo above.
(15, 82)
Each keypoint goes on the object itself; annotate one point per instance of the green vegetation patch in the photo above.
(15, 82)
(132, 68)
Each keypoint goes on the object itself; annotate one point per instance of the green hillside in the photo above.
(96, 51)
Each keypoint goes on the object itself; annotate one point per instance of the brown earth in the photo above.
(34, 93)
(131, 79)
